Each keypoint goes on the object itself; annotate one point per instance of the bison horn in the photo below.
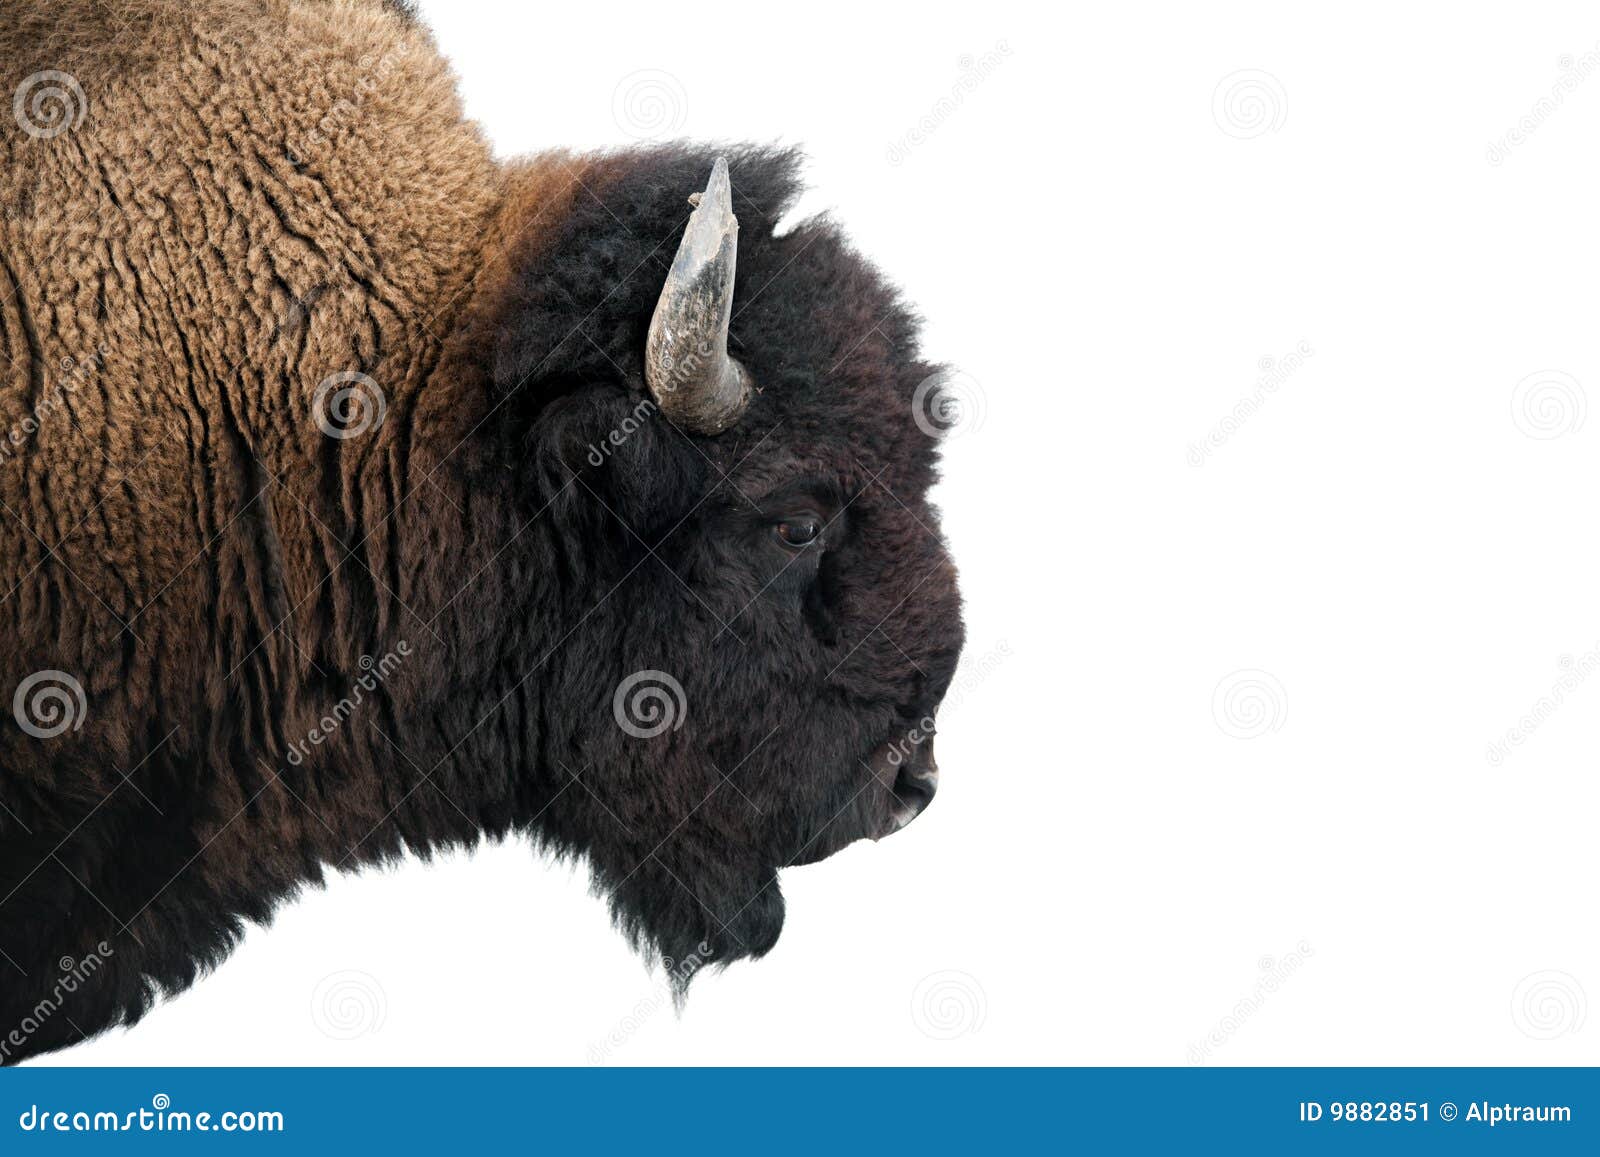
(686, 361)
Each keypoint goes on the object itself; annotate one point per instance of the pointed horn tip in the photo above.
(719, 186)
(712, 217)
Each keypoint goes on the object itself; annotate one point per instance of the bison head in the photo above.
(745, 615)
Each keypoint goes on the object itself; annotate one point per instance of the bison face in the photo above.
(752, 617)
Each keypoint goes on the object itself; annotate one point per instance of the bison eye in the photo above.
(798, 532)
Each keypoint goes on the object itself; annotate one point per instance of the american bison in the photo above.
(363, 494)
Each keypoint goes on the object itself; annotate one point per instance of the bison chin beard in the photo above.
(734, 912)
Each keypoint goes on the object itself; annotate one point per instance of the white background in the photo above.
(1110, 233)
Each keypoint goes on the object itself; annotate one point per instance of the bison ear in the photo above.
(609, 457)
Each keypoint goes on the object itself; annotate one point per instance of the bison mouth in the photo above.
(903, 779)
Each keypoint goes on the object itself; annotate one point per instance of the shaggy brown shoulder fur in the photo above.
(235, 208)
(248, 204)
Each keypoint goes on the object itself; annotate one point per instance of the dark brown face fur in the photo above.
(523, 602)
(787, 576)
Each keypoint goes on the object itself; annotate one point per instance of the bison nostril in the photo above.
(913, 791)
